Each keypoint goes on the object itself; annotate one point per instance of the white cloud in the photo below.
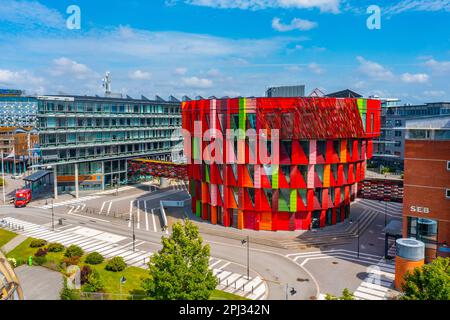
(415, 78)
(374, 70)
(434, 93)
(197, 83)
(64, 66)
(30, 13)
(315, 68)
(213, 73)
(181, 71)
(438, 66)
(323, 5)
(140, 75)
(21, 79)
(295, 24)
(418, 5)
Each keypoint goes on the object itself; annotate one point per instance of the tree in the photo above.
(430, 282)
(346, 295)
(180, 270)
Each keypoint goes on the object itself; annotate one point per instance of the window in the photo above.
(447, 193)
(398, 143)
(398, 123)
(398, 133)
(448, 165)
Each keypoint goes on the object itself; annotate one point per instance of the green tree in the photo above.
(430, 282)
(346, 295)
(180, 270)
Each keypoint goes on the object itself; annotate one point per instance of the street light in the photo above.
(248, 255)
(122, 281)
(293, 292)
(134, 235)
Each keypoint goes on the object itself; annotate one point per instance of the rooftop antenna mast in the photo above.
(107, 84)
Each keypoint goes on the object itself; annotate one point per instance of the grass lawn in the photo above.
(6, 236)
(110, 279)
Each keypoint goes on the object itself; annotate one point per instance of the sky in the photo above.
(227, 47)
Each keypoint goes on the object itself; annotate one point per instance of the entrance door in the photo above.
(316, 220)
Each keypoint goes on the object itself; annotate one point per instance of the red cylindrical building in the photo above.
(277, 163)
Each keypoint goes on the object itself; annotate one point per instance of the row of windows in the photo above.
(99, 137)
(67, 107)
(105, 151)
(64, 123)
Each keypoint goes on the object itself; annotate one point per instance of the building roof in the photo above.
(347, 93)
(37, 176)
(126, 99)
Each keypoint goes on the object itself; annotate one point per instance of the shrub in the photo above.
(73, 251)
(94, 258)
(37, 243)
(40, 260)
(72, 261)
(12, 262)
(116, 264)
(55, 247)
(41, 252)
(94, 282)
(84, 274)
(68, 294)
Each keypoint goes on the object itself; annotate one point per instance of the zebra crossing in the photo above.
(379, 283)
(392, 209)
(90, 240)
(252, 288)
(69, 202)
(143, 216)
(111, 245)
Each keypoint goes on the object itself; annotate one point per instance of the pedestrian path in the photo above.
(379, 283)
(304, 257)
(252, 288)
(107, 244)
(143, 216)
(69, 202)
(392, 209)
(112, 245)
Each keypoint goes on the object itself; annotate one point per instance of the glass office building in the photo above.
(88, 140)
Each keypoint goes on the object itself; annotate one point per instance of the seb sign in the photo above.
(417, 209)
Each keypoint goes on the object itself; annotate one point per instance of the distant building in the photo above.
(347, 93)
(286, 92)
(426, 208)
(389, 148)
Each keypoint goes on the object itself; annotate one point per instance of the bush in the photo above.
(68, 294)
(37, 243)
(55, 247)
(73, 251)
(94, 282)
(94, 258)
(40, 260)
(72, 261)
(41, 252)
(12, 262)
(84, 274)
(116, 264)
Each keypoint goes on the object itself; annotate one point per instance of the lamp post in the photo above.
(53, 216)
(3, 178)
(247, 241)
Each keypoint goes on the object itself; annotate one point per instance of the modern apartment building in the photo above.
(426, 209)
(87, 140)
(389, 149)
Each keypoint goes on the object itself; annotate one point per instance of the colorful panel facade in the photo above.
(303, 178)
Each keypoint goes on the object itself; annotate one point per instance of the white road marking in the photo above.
(131, 208)
(146, 215)
(109, 208)
(101, 209)
(153, 218)
(138, 212)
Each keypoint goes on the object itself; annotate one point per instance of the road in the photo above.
(311, 272)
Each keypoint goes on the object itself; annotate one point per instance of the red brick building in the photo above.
(426, 210)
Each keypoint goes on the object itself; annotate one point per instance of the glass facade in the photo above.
(18, 112)
(99, 134)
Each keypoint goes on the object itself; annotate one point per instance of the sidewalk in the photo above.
(13, 243)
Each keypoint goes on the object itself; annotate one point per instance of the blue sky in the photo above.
(227, 47)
